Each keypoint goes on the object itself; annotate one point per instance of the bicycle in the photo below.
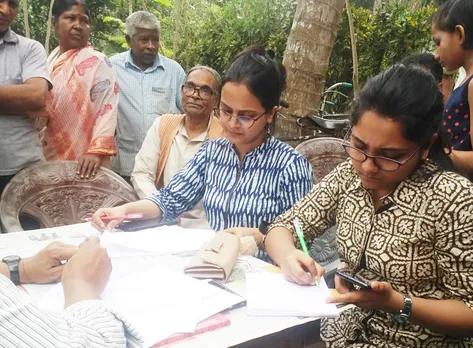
(326, 120)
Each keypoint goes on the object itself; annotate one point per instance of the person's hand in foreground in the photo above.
(87, 273)
(242, 232)
(300, 268)
(381, 296)
(47, 265)
(100, 225)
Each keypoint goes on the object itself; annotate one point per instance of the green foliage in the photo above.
(382, 40)
(38, 11)
(213, 32)
(107, 18)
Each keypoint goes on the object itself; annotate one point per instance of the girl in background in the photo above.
(452, 31)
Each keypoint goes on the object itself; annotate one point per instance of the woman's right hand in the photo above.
(300, 268)
(100, 225)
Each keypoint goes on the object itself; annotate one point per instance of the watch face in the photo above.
(11, 258)
(401, 318)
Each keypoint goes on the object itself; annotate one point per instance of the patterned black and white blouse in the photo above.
(421, 243)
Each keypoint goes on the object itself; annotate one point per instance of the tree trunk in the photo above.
(415, 5)
(143, 4)
(130, 7)
(307, 55)
(26, 19)
(354, 51)
(178, 6)
(48, 30)
(377, 5)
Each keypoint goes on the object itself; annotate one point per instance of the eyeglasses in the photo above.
(384, 163)
(203, 92)
(244, 121)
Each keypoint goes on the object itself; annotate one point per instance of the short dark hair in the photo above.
(410, 96)
(61, 6)
(426, 61)
(262, 75)
(453, 13)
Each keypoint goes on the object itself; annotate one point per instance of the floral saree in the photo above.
(82, 105)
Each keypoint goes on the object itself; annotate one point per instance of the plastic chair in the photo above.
(53, 194)
(324, 154)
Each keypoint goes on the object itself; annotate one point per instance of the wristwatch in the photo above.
(404, 314)
(13, 262)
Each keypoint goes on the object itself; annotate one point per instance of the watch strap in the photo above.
(14, 273)
(407, 308)
(13, 266)
(404, 315)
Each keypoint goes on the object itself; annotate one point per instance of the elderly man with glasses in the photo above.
(174, 139)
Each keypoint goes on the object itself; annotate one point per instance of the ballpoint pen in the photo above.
(300, 236)
(124, 217)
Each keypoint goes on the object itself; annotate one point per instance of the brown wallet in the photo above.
(216, 258)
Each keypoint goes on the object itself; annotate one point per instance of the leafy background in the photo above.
(211, 32)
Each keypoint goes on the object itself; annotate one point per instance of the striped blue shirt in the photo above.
(268, 181)
(144, 96)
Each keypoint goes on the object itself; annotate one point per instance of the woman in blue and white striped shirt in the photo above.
(245, 179)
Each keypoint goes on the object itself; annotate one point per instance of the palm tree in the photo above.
(308, 51)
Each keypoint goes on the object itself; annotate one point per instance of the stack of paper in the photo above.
(159, 302)
(160, 240)
(273, 296)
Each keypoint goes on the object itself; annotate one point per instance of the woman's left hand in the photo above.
(88, 165)
(381, 296)
(241, 232)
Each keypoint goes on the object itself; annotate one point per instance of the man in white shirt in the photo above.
(173, 140)
(85, 322)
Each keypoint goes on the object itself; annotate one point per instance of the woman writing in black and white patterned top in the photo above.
(405, 222)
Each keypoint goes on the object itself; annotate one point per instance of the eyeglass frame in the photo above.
(254, 119)
(399, 163)
(346, 145)
(198, 89)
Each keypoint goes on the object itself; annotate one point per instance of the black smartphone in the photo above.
(142, 224)
(357, 282)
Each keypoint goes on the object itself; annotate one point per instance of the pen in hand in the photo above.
(300, 236)
(124, 217)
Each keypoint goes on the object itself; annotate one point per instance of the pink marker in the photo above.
(124, 217)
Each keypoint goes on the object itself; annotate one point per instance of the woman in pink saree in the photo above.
(83, 103)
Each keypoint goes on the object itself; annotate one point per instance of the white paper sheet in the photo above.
(272, 295)
(159, 301)
(161, 240)
(28, 243)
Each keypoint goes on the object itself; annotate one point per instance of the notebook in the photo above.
(273, 296)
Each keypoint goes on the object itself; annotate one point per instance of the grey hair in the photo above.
(142, 20)
(209, 69)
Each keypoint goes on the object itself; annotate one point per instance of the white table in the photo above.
(242, 328)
